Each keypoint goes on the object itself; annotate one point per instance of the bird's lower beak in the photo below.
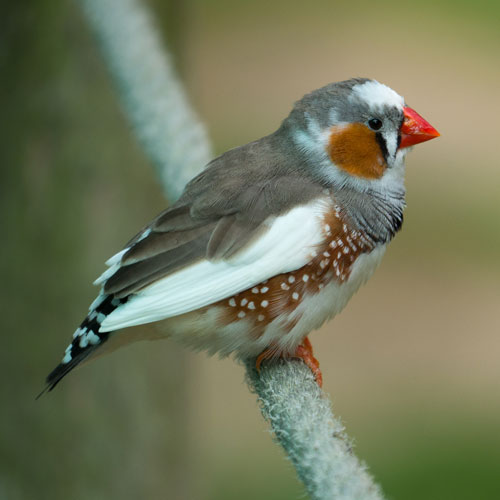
(415, 129)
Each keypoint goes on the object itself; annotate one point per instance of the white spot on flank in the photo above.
(327, 228)
(326, 254)
(264, 289)
(251, 305)
(291, 279)
(346, 250)
(305, 278)
(344, 227)
(264, 303)
(243, 302)
(284, 286)
(295, 296)
(260, 317)
(255, 290)
(339, 255)
(232, 302)
(351, 244)
(333, 244)
(241, 314)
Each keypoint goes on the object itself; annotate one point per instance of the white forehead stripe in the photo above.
(376, 95)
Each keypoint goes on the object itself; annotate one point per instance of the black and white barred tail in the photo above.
(86, 339)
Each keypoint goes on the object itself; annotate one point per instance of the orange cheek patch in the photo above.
(354, 149)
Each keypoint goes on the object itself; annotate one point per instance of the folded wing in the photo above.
(182, 263)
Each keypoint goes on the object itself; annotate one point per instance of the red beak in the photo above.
(415, 129)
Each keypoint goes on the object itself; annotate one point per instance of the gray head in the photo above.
(350, 133)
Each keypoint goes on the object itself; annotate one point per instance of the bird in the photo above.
(269, 241)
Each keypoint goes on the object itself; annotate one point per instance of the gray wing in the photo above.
(220, 212)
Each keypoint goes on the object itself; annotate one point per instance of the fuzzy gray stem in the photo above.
(313, 438)
(155, 103)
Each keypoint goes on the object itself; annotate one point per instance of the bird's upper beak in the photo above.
(415, 129)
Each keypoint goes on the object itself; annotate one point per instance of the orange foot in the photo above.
(304, 352)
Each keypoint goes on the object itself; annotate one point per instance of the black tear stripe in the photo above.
(78, 354)
(382, 144)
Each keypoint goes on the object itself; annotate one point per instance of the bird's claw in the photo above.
(304, 352)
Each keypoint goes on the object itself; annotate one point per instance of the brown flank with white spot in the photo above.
(281, 294)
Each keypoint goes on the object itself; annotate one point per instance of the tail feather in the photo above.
(86, 339)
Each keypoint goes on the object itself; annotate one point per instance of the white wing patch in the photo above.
(285, 246)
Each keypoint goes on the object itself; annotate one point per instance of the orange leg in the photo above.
(268, 353)
(304, 352)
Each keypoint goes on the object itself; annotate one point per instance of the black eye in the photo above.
(375, 124)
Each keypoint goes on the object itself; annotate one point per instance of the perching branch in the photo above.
(313, 438)
(156, 105)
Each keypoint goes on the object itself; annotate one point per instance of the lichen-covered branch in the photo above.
(299, 412)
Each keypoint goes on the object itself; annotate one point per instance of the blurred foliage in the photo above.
(419, 392)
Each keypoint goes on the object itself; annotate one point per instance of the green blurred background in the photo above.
(412, 364)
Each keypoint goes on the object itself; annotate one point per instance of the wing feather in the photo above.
(245, 218)
(177, 219)
(132, 277)
(159, 243)
(229, 236)
(285, 244)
